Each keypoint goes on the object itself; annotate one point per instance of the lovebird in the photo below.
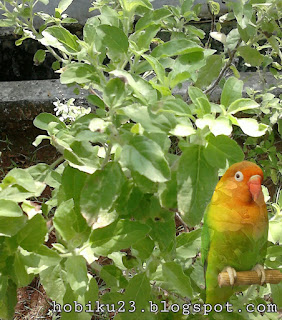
(235, 229)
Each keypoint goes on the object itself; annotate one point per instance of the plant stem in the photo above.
(223, 70)
(108, 155)
(57, 162)
(212, 27)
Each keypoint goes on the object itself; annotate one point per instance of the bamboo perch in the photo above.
(249, 277)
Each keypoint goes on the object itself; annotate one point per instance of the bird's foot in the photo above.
(231, 273)
(261, 273)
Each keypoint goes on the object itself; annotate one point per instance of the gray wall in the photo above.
(79, 8)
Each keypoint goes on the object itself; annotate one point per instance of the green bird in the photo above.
(234, 234)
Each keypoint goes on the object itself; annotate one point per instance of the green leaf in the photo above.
(60, 38)
(113, 277)
(70, 224)
(243, 13)
(4, 23)
(210, 71)
(149, 121)
(146, 157)
(11, 218)
(220, 125)
(19, 274)
(52, 279)
(64, 4)
(232, 39)
(44, 119)
(10, 209)
(72, 183)
(178, 78)
(221, 149)
(133, 4)
(32, 235)
(168, 192)
(232, 91)
(108, 182)
(188, 244)
(9, 301)
(276, 293)
(119, 235)
(21, 177)
(191, 63)
(250, 55)
(43, 173)
(152, 17)
(143, 183)
(142, 89)
(143, 248)
(77, 274)
(204, 104)
(3, 286)
(56, 65)
(114, 93)
(183, 129)
(163, 230)
(139, 292)
(69, 20)
(83, 156)
(109, 16)
(39, 57)
(90, 296)
(241, 105)
(175, 106)
(89, 32)
(96, 101)
(186, 6)
(196, 93)
(143, 38)
(214, 7)
(43, 258)
(175, 280)
(200, 100)
(275, 226)
(221, 37)
(114, 39)
(175, 47)
(196, 180)
(79, 73)
(251, 127)
(157, 67)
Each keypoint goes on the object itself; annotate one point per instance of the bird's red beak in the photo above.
(254, 185)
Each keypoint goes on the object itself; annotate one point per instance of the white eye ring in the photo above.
(239, 176)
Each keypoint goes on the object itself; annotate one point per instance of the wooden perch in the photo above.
(249, 277)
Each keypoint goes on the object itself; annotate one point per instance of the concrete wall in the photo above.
(79, 8)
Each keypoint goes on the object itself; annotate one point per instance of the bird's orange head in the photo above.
(242, 181)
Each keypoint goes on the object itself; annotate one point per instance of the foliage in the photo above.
(119, 182)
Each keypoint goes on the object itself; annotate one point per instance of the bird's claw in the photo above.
(231, 273)
(260, 272)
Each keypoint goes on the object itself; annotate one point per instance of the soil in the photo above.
(20, 60)
(17, 150)
(33, 302)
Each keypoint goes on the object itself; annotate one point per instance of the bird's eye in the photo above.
(239, 176)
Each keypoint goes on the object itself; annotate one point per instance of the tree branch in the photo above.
(250, 277)
(222, 72)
